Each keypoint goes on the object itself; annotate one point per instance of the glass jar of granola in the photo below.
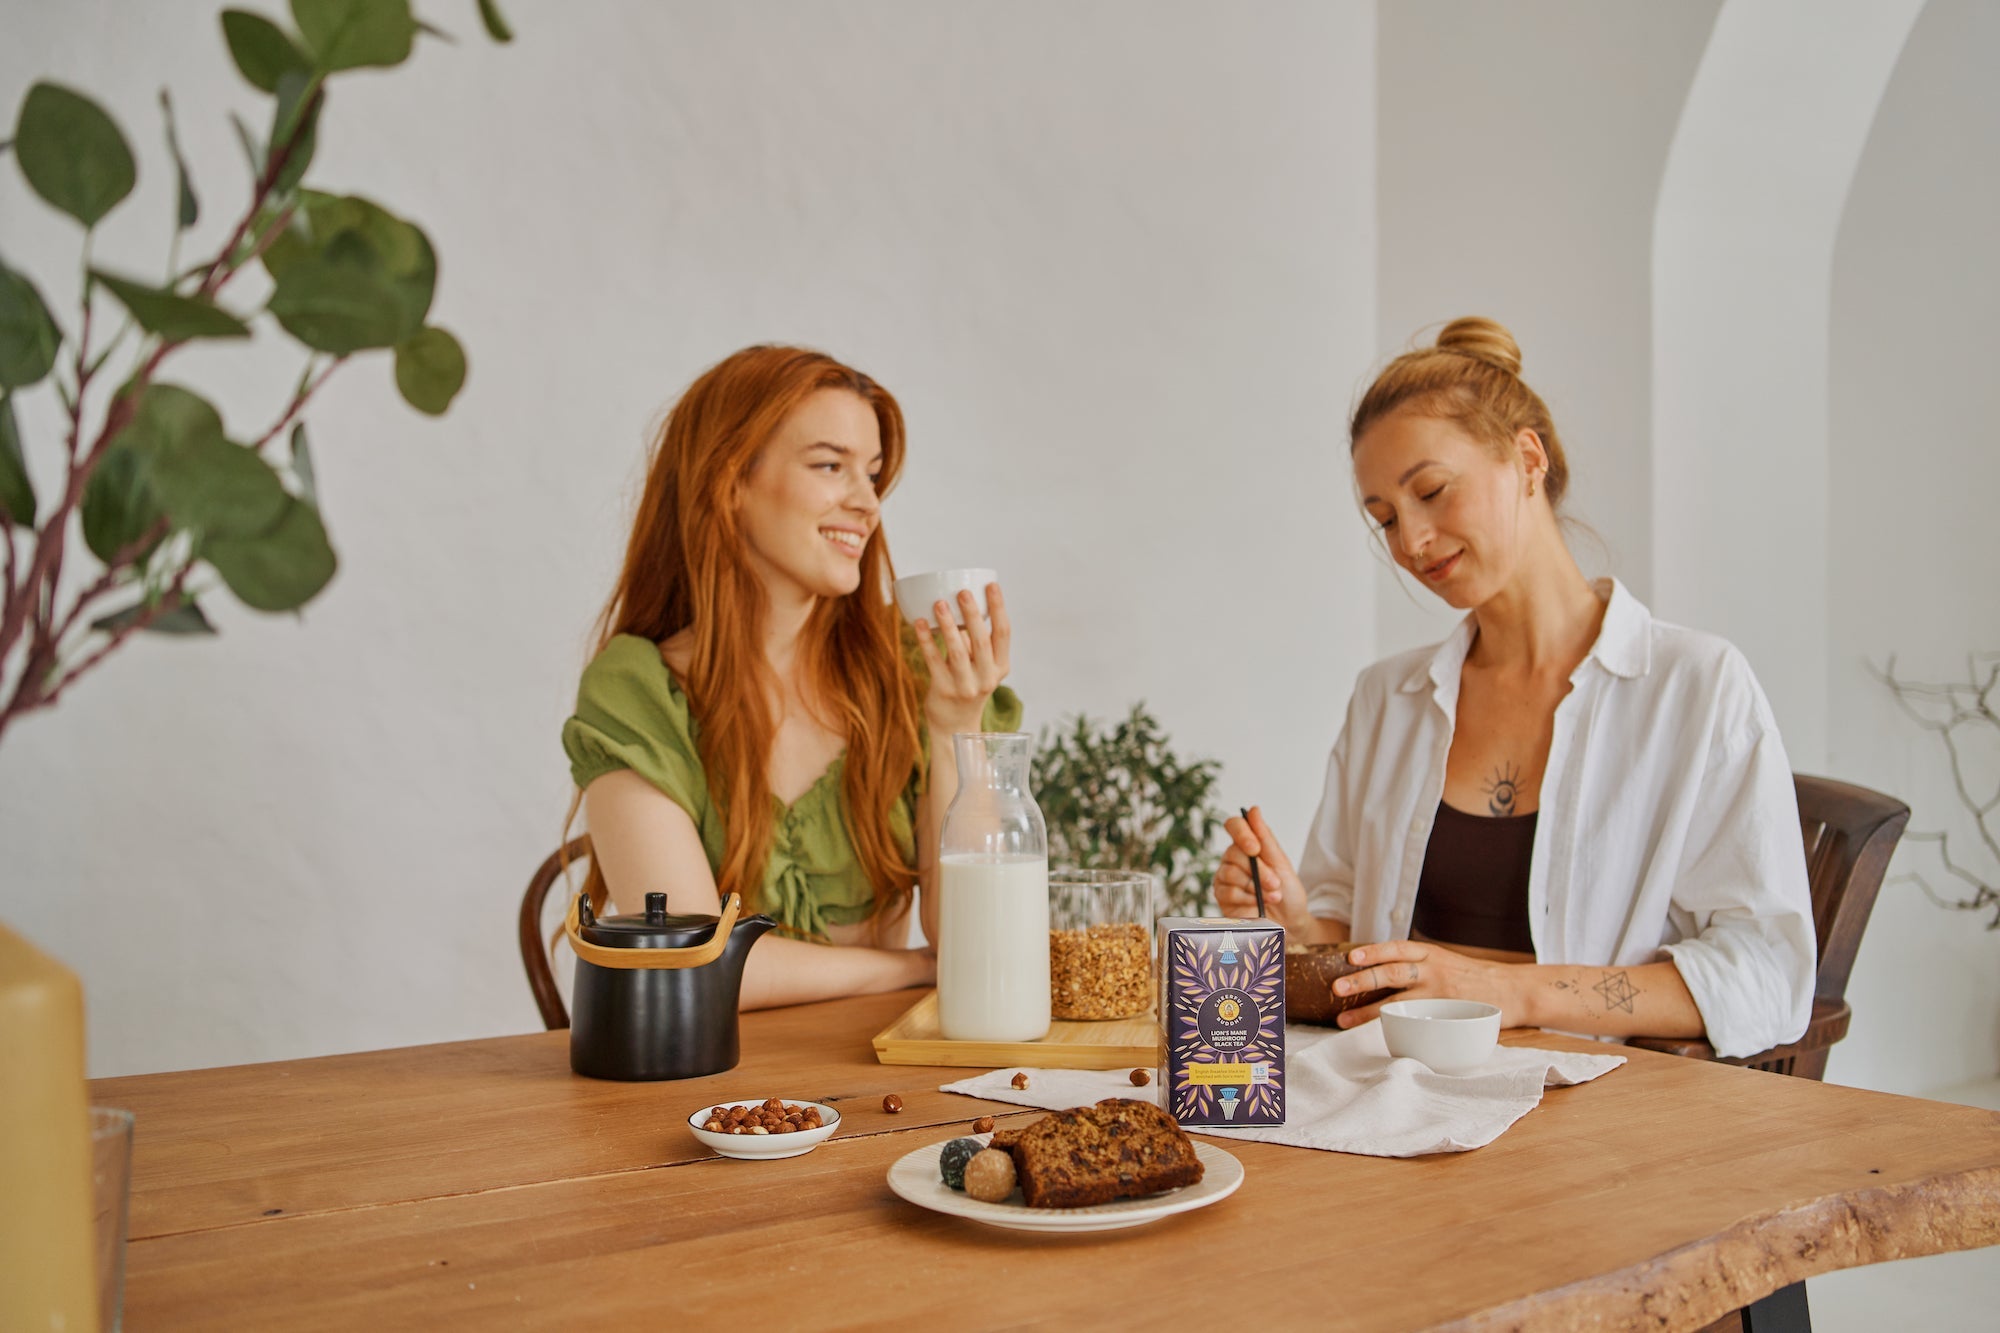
(1100, 943)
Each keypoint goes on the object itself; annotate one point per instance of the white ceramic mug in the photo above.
(917, 595)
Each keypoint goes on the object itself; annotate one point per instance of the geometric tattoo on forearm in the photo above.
(1618, 991)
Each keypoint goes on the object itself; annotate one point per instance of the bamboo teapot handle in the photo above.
(688, 955)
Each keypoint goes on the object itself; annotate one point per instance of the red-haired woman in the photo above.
(754, 721)
(1568, 808)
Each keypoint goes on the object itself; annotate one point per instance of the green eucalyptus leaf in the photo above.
(356, 34)
(337, 307)
(296, 241)
(352, 276)
(295, 122)
(430, 370)
(280, 569)
(183, 617)
(302, 466)
(118, 507)
(218, 488)
(496, 26)
(187, 208)
(73, 153)
(17, 489)
(28, 334)
(263, 51)
(174, 317)
(253, 152)
(204, 483)
(352, 230)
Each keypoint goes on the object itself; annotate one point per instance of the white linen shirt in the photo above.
(1669, 825)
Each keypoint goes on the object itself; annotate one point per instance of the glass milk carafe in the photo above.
(993, 896)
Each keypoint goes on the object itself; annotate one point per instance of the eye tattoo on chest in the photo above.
(1501, 789)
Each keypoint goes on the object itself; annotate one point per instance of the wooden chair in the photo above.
(1850, 832)
(534, 945)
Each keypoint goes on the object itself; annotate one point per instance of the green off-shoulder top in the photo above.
(631, 713)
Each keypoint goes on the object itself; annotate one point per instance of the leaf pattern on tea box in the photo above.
(1259, 971)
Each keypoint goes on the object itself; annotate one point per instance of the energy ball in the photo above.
(951, 1161)
(989, 1176)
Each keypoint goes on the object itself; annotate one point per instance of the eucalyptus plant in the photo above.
(142, 471)
(1117, 797)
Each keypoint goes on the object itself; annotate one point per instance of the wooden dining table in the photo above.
(481, 1184)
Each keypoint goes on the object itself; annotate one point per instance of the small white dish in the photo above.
(765, 1147)
(1450, 1036)
(915, 1177)
(918, 595)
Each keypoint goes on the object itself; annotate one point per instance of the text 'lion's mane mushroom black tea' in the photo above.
(1222, 1021)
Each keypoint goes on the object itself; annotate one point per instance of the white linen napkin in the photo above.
(1345, 1093)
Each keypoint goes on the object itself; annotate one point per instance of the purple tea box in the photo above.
(1222, 1020)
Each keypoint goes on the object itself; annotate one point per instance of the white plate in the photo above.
(915, 1177)
(765, 1147)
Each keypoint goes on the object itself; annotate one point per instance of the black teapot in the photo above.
(655, 995)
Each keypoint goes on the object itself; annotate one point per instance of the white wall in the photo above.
(1521, 150)
(1742, 243)
(1115, 259)
(1915, 471)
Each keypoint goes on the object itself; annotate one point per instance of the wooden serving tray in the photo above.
(1117, 1043)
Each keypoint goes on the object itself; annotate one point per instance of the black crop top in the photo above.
(1474, 886)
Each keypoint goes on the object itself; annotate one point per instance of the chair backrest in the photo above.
(534, 947)
(1850, 833)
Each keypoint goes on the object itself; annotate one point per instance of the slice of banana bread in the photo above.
(1117, 1149)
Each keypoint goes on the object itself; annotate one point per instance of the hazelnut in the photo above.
(892, 1103)
(1141, 1077)
(983, 1125)
(1021, 1080)
(713, 1126)
(759, 1129)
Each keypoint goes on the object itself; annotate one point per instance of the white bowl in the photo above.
(917, 595)
(1451, 1036)
(765, 1147)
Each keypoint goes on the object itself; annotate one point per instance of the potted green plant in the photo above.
(1117, 797)
(142, 475)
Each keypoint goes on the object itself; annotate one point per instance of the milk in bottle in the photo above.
(993, 897)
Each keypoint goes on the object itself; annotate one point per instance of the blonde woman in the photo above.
(1568, 808)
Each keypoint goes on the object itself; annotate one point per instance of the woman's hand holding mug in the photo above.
(966, 664)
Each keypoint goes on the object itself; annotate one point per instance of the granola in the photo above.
(1099, 972)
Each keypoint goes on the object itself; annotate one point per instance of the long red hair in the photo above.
(685, 569)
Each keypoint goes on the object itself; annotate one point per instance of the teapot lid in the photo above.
(654, 928)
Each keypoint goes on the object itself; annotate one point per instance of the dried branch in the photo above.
(1966, 705)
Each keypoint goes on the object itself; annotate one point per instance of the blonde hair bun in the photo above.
(1484, 339)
